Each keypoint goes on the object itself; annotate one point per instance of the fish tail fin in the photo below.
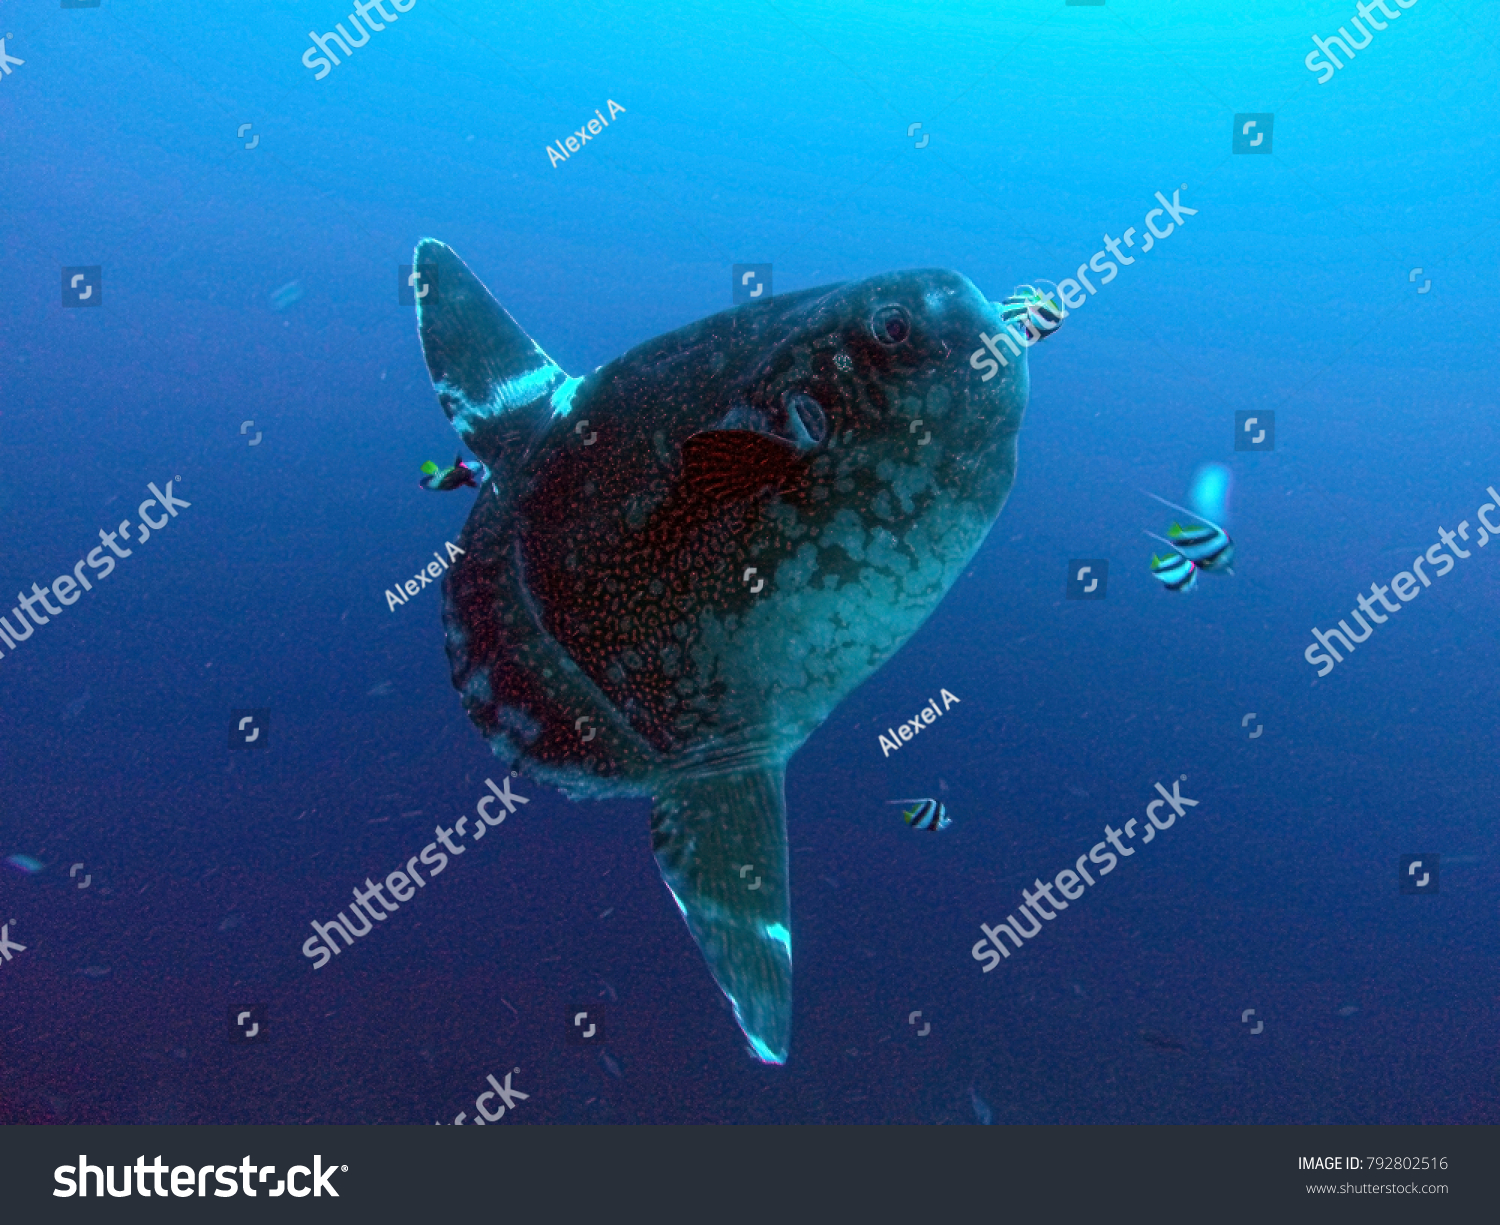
(720, 843)
(493, 381)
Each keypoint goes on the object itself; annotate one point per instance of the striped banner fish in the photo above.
(1204, 542)
(1174, 572)
(926, 814)
(1040, 313)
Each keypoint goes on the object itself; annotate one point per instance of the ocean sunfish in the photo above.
(680, 563)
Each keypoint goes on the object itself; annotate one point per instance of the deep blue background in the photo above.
(752, 132)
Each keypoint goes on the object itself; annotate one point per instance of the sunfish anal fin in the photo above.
(720, 842)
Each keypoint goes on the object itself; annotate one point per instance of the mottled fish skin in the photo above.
(643, 588)
(603, 627)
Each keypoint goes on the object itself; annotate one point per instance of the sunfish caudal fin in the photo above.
(720, 842)
(492, 379)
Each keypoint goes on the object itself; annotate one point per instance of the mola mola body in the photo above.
(681, 563)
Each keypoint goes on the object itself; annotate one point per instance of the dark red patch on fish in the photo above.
(729, 465)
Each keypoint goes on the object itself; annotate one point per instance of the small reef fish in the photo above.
(982, 1111)
(462, 474)
(925, 814)
(1039, 313)
(1174, 572)
(1204, 543)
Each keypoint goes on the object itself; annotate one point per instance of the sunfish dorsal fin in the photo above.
(493, 381)
(720, 842)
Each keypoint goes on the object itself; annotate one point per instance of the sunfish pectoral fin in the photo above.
(728, 465)
(720, 842)
(494, 382)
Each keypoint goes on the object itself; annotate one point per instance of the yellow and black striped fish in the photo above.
(925, 814)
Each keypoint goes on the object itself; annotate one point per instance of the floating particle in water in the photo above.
(25, 863)
(614, 1068)
(1348, 1010)
(75, 707)
(231, 921)
(380, 690)
(982, 1111)
(288, 295)
(1162, 1042)
(95, 972)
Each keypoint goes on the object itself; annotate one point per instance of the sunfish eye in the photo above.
(891, 325)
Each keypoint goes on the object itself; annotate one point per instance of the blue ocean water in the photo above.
(1344, 281)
